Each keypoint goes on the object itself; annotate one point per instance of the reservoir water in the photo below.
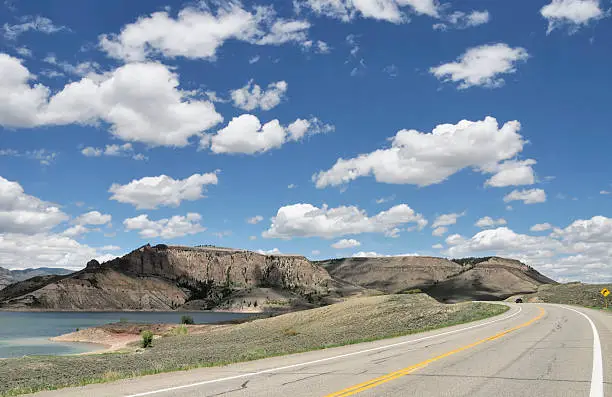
(28, 333)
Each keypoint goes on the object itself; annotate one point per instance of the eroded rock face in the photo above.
(166, 277)
(223, 267)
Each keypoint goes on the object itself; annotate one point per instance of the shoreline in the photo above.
(117, 336)
(92, 336)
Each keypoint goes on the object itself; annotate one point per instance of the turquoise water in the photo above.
(28, 333)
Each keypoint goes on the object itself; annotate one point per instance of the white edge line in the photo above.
(597, 374)
(265, 371)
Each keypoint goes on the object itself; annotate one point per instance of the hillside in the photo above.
(12, 276)
(569, 294)
(490, 278)
(172, 277)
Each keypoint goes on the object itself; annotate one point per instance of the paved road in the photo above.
(532, 350)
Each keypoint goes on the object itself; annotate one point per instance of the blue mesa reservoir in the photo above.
(28, 333)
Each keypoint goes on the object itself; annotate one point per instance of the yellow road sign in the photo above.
(605, 292)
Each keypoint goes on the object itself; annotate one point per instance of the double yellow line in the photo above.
(408, 370)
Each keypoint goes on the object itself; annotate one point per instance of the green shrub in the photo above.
(147, 339)
(187, 320)
(181, 330)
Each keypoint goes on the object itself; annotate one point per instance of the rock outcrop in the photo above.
(490, 278)
(168, 277)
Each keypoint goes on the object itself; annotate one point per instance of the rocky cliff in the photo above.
(490, 278)
(169, 277)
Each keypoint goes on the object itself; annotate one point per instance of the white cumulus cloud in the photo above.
(197, 33)
(487, 222)
(176, 226)
(273, 251)
(93, 218)
(428, 158)
(385, 10)
(23, 213)
(21, 251)
(447, 219)
(140, 101)
(346, 243)
(306, 220)
(252, 96)
(540, 227)
(512, 173)
(245, 134)
(580, 251)
(75, 231)
(115, 150)
(157, 191)
(482, 66)
(527, 196)
(571, 13)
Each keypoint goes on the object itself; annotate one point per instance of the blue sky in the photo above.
(324, 127)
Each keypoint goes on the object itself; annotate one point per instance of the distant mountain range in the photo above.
(165, 277)
(12, 276)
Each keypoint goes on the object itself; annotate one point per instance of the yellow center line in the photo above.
(405, 371)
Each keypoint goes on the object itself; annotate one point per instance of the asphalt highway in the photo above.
(533, 350)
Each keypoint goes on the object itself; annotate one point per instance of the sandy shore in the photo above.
(120, 336)
(111, 341)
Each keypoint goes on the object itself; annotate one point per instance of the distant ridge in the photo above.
(489, 278)
(166, 277)
(12, 276)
